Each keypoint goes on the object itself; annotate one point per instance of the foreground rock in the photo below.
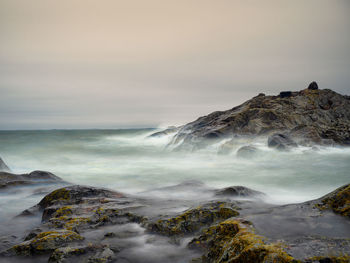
(88, 224)
(34, 178)
(234, 241)
(3, 166)
(309, 116)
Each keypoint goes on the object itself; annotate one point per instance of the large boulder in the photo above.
(281, 142)
(3, 166)
(325, 112)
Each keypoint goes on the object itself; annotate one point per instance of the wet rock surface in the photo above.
(309, 116)
(89, 224)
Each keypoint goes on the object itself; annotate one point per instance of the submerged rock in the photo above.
(280, 142)
(3, 166)
(238, 191)
(248, 152)
(325, 112)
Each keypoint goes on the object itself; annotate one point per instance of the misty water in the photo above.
(130, 161)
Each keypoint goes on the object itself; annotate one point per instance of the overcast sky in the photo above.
(110, 64)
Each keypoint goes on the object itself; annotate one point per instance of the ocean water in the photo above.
(129, 161)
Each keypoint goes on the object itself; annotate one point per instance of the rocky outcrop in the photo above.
(3, 166)
(34, 178)
(309, 116)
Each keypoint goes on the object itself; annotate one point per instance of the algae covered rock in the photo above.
(194, 219)
(45, 242)
(338, 201)
(233, 241)
(76, 194)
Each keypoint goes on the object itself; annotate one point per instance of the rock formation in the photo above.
(309, 116)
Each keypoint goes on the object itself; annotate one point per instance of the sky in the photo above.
(118, 64)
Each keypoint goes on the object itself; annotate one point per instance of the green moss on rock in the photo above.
(45, 242)
(194, 219)
(338, 201)
(231, 241)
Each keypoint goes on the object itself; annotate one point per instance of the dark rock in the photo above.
(3, 166)
(325, 113)
(248, 152)
(238, 191)
(313, 86)
(285, 94)
(280, 141)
